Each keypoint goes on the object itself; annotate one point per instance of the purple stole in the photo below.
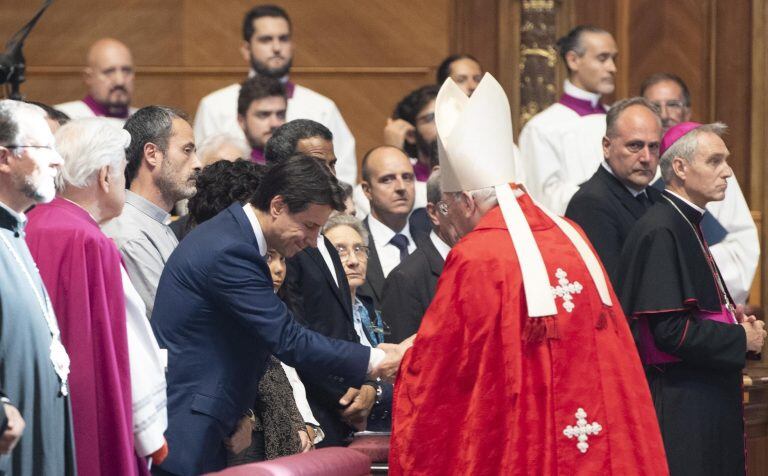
(581, 107)
(99, 109)
(257, 155)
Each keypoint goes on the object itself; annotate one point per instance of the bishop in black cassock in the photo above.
(682, 315)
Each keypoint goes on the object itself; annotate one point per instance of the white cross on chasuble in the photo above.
(565, 289)
(582, 429)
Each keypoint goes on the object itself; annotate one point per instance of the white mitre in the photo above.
(474, 137)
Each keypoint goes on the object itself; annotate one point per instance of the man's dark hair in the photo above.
(301, 180)
(659, 77)
(282, 144)
(221, 184)
(151, 124)
(409, 107)
(444, 70)
(54, 114)
(255, 88)
(260, 11)
(572, 41)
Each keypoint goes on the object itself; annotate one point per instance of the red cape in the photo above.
(473, 397)
(81, 270)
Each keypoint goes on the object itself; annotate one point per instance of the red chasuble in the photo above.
(81, 270)
(481, 394)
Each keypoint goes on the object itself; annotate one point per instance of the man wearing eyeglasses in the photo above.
(35, 365)
(728, 226)
(617, 195)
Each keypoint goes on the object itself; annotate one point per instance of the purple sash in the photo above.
(652, 355)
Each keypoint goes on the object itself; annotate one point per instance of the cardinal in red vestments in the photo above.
(524, 363)
(80, 267)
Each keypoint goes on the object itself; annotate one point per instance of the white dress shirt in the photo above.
(327, 257)
(389, 254)
(442, 246)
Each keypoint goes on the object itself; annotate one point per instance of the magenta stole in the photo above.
(652, 355)
(80, 267)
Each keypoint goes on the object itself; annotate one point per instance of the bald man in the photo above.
(108, 77)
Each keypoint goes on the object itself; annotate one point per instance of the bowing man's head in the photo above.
(295, 199)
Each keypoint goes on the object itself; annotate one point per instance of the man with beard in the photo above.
(728, 226)
(109, 79)
(161, 168)
(560, 146)
(268, 48)
(261, 108)
(35, 365)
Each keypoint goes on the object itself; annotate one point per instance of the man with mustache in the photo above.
(268, 48)
(691, 338)
(109, 79)
(261, 107)
(161, 168)
(728, 226)
(617, 195)
(560, 147)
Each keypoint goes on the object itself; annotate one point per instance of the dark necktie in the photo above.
(644, 201)
(401, 242)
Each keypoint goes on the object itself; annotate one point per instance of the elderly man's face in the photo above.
(705, 177)
(110, 74)
(180, 165)
(115, 198)
(633, 153)
(668, 97)
(595, 70)
(33, 161)
(270, 50)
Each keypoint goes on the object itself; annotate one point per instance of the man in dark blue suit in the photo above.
(219, 319)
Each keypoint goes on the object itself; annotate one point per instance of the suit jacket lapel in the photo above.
(375, 275)
(434, 259)
(618, 189)
(317, 258)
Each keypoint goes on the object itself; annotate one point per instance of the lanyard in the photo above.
(58, 353)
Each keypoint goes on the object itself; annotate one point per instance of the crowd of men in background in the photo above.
(190, 295)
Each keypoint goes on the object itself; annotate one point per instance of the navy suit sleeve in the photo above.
(241, 286)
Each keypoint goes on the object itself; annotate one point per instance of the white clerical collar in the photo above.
(382, 234)
(578, 93)
(631, 190)
(19, 216)
(687, 202)
(442, 246)
(260, 239)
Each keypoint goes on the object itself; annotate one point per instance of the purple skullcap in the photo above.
(676, 132)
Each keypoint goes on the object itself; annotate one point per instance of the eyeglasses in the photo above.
(360, 251)
(674, 106)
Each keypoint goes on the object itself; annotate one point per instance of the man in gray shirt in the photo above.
(161, 170)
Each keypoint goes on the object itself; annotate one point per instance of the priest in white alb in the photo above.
(561, 147)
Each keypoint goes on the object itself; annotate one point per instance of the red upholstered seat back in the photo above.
(322, 462)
